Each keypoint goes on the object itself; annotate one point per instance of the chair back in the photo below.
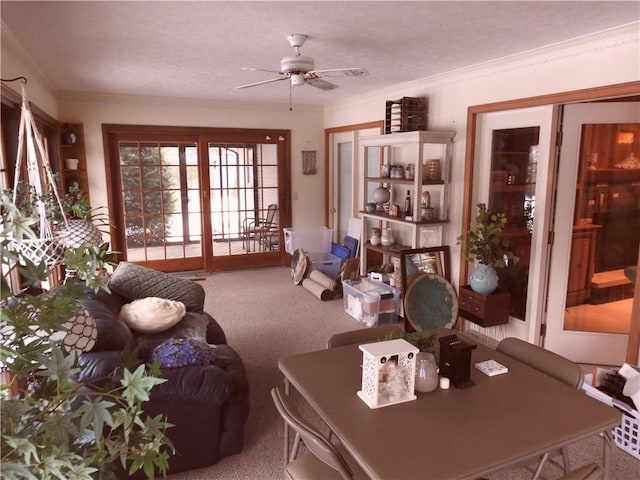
(362, 335)
(317, 444)
(271, 219)
(552, 364)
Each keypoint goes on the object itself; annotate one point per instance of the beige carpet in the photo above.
(266, 317)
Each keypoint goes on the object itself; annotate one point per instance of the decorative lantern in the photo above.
(388, 373)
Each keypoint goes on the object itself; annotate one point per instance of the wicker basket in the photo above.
(51, 251)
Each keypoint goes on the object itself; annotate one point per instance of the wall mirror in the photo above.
(415, 261)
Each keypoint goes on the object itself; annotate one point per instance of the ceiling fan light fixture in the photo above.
(297, 79)
(297, 64)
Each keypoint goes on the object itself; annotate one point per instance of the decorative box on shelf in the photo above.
(484, 310)
(406, 115)
(388, 373)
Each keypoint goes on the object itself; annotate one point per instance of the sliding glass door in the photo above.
(190, 200)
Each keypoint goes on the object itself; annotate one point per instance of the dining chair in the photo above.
(552, 364)
(326, 461)
(586, 472)
(362, 335)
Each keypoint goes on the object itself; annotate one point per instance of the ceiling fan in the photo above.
(299, 69)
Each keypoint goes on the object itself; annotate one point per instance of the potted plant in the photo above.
(79, 222)
(52, 426)
(483, 243)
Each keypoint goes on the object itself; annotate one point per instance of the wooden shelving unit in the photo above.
(72, 146)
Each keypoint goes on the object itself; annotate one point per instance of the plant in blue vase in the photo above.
(485, 245)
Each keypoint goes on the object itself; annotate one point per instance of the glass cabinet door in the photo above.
(514, 163)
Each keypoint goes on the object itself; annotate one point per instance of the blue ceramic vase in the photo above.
(484, 279)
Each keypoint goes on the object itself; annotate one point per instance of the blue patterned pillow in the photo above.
(183, 352)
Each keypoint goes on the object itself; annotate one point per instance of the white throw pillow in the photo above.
(152, 314)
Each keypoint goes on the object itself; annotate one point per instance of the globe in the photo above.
(381, 195)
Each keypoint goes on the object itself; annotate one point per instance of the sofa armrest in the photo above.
(98, 368)
(223, 382)
(215, 334)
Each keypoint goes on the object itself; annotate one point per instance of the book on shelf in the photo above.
(491, 367)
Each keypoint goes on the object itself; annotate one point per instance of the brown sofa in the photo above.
(208, 404)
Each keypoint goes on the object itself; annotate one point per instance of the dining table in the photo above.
(498, 422)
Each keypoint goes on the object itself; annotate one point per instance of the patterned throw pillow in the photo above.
(182, 352)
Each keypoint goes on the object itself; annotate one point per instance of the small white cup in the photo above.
(444, 383)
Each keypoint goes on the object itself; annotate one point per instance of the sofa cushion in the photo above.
(192, 327)
(152, 314)
(134, 281)
(182, 352)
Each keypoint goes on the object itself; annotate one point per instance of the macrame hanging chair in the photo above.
(50, 246)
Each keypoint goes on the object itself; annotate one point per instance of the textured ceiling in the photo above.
(198, 49)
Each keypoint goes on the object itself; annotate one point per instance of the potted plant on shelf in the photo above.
(51, 425)
(483, 243)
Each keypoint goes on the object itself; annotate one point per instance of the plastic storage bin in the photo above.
(371, 302)
(311, 239)
(326, 263)
(627, 434)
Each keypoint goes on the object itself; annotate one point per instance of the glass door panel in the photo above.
(597, 225)
(514, 160)
(243, 196)
(161, 204)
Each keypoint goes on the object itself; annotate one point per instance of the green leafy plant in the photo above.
(423, 341)
(484, 242)
(90, 262)
(51, 425)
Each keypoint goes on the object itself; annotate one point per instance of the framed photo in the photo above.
(415, 261)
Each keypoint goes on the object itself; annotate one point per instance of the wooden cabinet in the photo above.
(73, 159)
(484, 310)
(582, 263)
(428, 155)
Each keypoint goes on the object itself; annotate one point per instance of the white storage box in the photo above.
(326, 263)
(371, 301)
(627, 434)
(310, 239)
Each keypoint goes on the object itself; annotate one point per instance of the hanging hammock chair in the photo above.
(50, 246)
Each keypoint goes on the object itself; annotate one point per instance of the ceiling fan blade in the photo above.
(320, 83)
(262, 83)
(253, 69)
(336, 72)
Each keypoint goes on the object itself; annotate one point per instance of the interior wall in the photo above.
(16, 63)
(305, 123)
(607, 58)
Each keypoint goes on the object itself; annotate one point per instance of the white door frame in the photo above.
(587, 347)
(333, 137)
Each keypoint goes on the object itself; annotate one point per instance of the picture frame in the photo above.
(415, 261)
